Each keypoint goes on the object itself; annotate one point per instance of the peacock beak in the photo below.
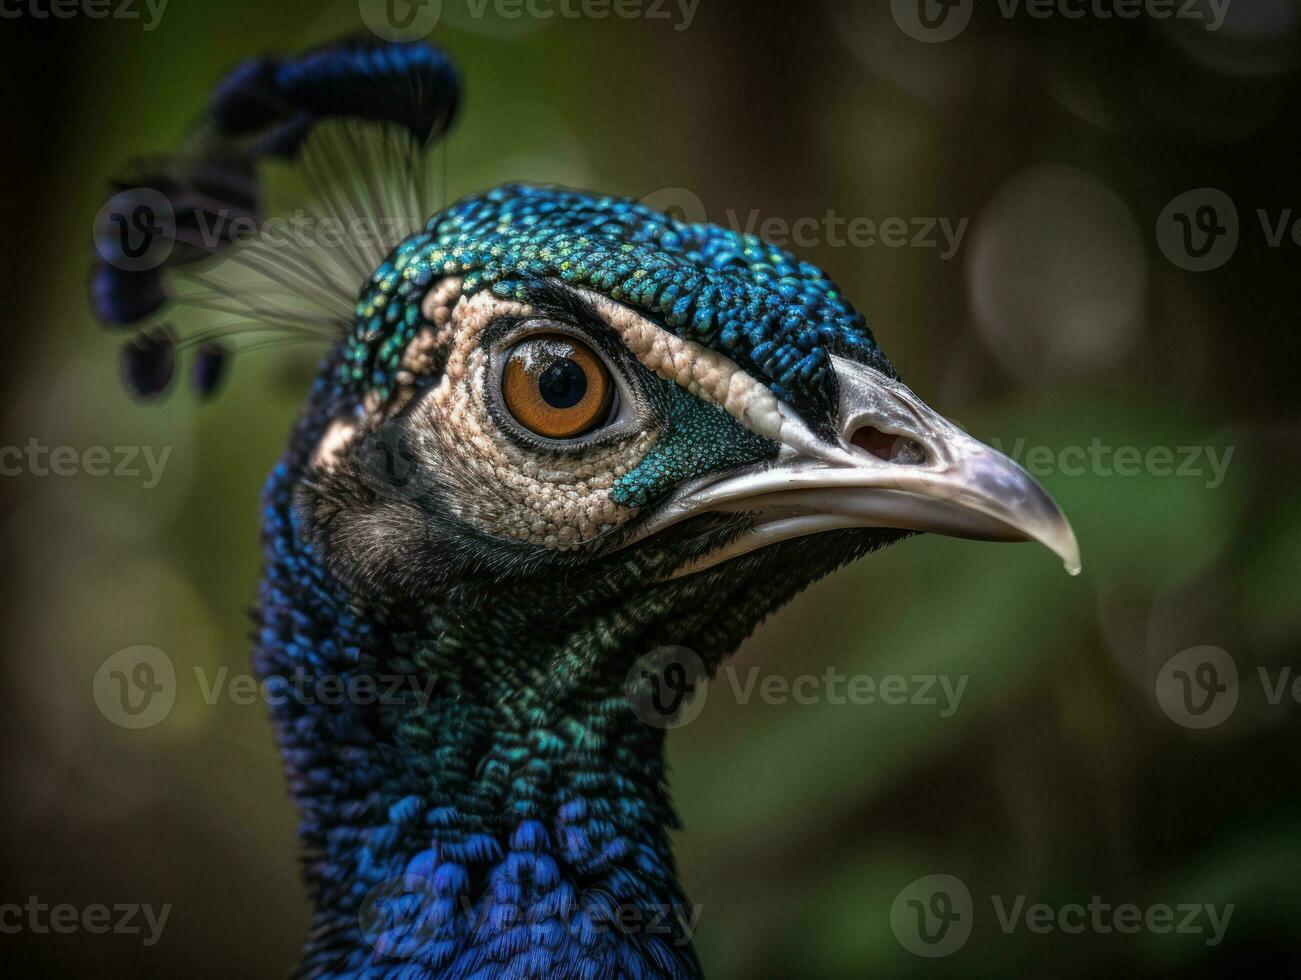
(897, 464)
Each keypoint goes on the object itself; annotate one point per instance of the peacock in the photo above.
(564, 452)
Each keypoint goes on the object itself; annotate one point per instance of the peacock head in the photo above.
(577, 400)
(546, 387)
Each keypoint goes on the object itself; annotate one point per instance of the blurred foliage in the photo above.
(1058, 323)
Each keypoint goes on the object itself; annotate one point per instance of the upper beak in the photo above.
(897, 464)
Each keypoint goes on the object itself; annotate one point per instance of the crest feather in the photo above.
(202, 233)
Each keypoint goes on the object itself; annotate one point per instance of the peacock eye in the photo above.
(556, 386)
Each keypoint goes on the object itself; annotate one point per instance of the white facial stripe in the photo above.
(338, 437)
(712, 376)
(703, 372)
(438, 305)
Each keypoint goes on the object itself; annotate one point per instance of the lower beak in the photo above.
(897, 464)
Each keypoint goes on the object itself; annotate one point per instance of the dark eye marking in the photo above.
(563, 385)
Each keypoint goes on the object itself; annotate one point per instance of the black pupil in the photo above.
(563, 384)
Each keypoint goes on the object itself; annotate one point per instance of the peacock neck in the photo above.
(481, 797)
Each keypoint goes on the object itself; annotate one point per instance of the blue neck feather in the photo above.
(484, 805)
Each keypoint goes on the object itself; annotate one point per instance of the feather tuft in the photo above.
(121, 297)
(209, 369)
(412, 85)
(149, 361)
(176, 233)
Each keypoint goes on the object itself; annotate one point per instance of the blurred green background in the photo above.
(1058, 323)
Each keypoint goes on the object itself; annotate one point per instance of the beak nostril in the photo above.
(888, 446)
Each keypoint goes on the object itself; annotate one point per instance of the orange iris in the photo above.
(555, 386)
